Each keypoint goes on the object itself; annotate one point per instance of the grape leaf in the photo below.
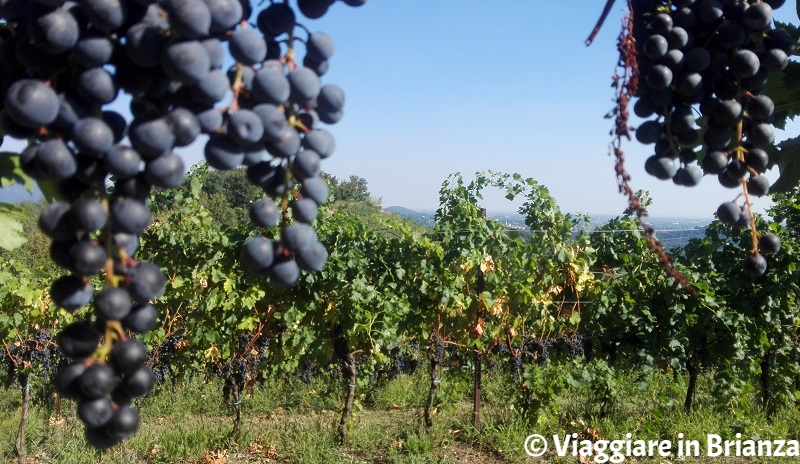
(788, 164)
(11, 234)
(11, 172)
(784, 89)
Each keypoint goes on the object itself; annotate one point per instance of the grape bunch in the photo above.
(64, 68)
(703, 66)
(275, 130)
(242, 369)
(37, 351)
(160, 361)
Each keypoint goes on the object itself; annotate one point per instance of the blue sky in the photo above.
(435, 87)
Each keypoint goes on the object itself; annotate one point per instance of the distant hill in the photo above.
(17, 193)
(673, 232)
(425, 218)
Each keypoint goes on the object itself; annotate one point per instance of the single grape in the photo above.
(142, 318)
(247, 47)
(729, 212)
(754, 265)
(112, 303)
(769, 243)
(95, 412)
(265, 213)
(147, 282)
(258, 255)
(304, 210)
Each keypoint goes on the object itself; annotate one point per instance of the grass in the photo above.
(290, 422)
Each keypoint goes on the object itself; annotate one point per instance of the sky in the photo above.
(436, 87)
(444, 86)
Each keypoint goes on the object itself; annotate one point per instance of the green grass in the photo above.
(290, 422)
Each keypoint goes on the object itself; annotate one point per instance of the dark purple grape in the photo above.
(321, 141)
(112, 304)
(97, 381)
(298, 237)
(152, 138)
(247, 47)
(88, 258)
(122, 162)
(315, 188)
(124, 423)
(56, 31)
(128, 356)
(265, 213)
(314, 9)
(313, 258)
(276, 19)
(225, 14)
(270, 84)
(100, 438)
(715, 162)
(769, 243)
(287, 145)
(147, 282)
(661, 167)
(31, 103)
(757, 16)
(166, 171)
(78, 340)
(744, 63)
(273, 121)
(142, 318)
(187, 61)
(130, 216)
(93, 49)
(68, 378)
(319, 47)
(258, 255)
(108, 15)
(304, 210)
(88, 214)
(54, 161)
(97, 86)
(139, 382)
(729, 212)
(71, 292)
(95, 412)
(144, 43)
(245, 127)
(189, 18)
(223, 153)
(92, 136)
(185, 126)
(306, 164)
(754, 265)
(305, 86)
(54, 221)
(330, 99)
(284, 271)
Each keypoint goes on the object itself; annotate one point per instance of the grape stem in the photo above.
(10, 356)
(740, 156)
(237, 88)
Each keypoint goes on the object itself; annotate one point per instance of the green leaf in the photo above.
(784, 89)
(11, 233)
(789, 165)
(11, 173)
